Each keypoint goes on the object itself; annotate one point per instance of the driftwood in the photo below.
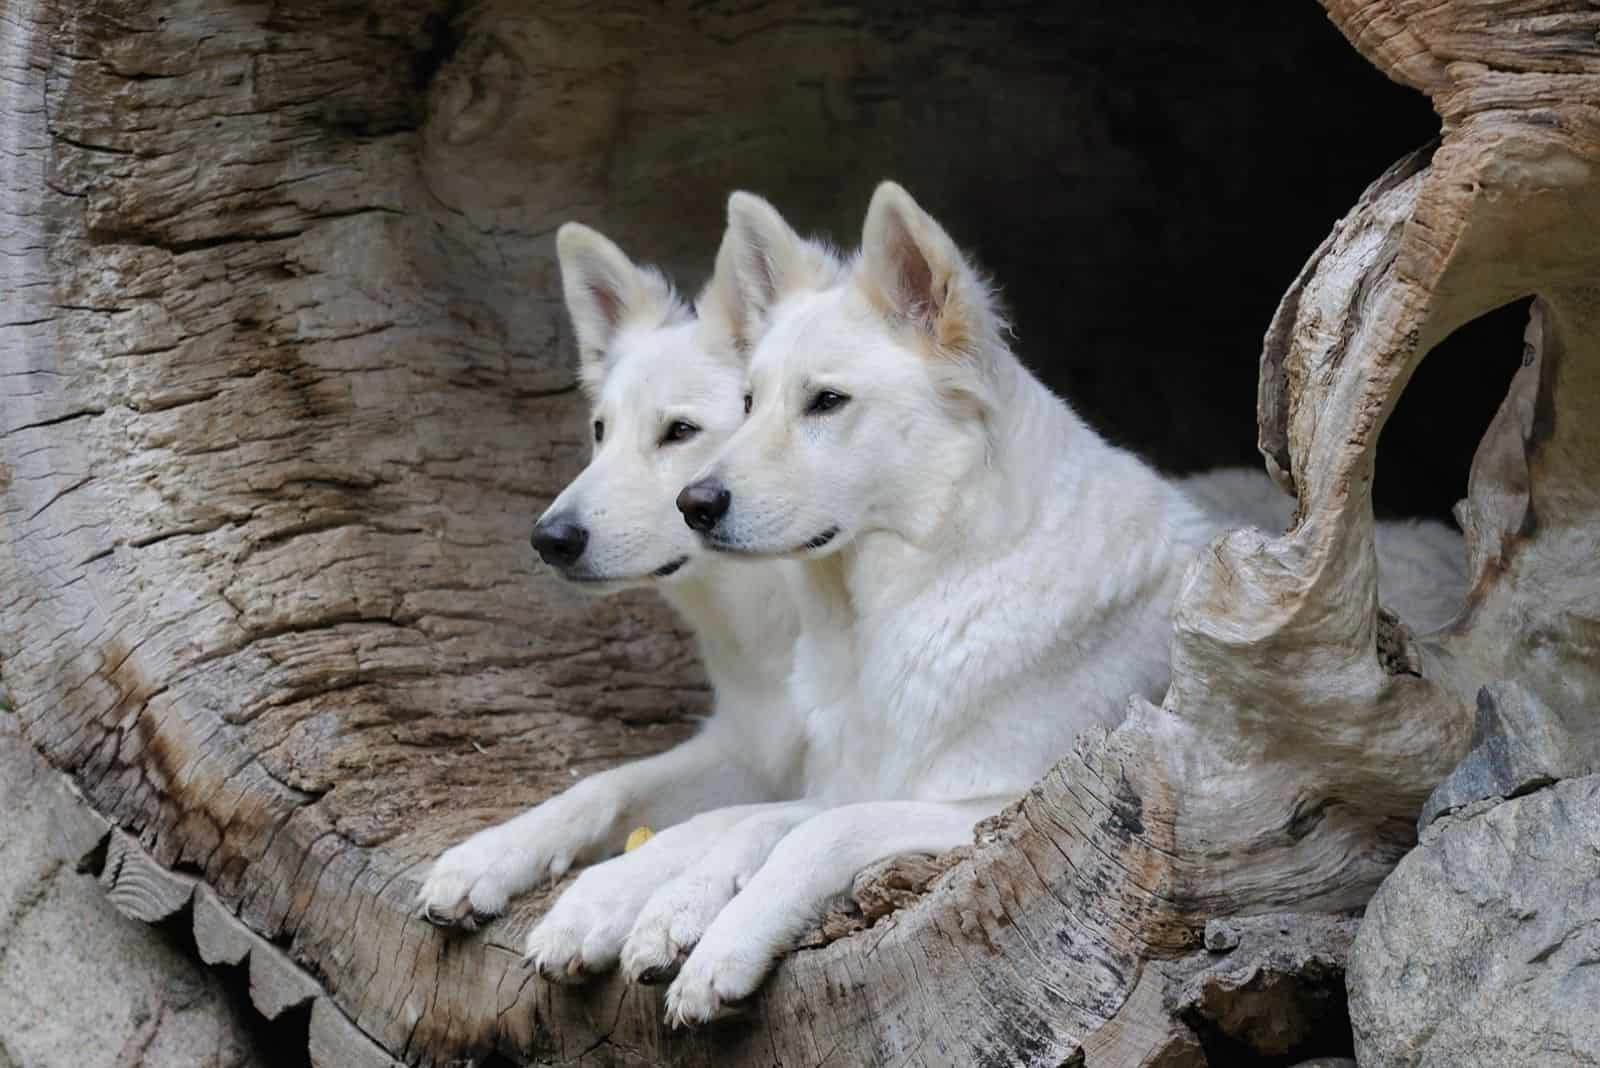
(282, 384)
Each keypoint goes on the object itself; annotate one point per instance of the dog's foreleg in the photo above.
(812, 865)
(583, 933)
(678, 913)
(477, 878)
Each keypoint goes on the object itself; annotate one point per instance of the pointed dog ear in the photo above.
(762, 260)
(767, 258)
(909, 265)
(602, 289)
(914, 274)
(721, 305)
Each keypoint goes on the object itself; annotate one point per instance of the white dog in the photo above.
(982, 575)
(666, 389)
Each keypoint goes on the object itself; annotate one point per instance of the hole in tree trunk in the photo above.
(1427, 445)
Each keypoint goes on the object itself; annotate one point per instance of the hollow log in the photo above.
(283, 379)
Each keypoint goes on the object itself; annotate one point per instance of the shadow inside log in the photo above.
(1429, 439)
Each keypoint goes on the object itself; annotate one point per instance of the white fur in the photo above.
(646, 362)
(1002, 576)
(676, 915)
(588, 928)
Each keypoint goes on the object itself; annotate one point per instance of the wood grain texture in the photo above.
(283, 381)
(140, 888)
(334, 1042)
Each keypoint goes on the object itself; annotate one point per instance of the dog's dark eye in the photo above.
(678, 431)
(747, 404)
(825, 401)
(599, 431)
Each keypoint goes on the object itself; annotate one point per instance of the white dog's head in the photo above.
(869, 399)
(665, 389)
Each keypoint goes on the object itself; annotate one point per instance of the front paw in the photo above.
(476, 880)
(582, 934)
(715, 981)
(468, 884)
(671, 925)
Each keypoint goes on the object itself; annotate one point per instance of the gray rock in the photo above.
(1482, 948)
(80, 986)
(1518, 745)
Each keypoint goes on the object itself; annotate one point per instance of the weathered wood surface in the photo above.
(270, 452)
(141, 889)
(282, 382)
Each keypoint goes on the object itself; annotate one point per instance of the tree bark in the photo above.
(283, 381)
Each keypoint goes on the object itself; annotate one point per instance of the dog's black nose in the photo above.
(703, 503)
(560, 540)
